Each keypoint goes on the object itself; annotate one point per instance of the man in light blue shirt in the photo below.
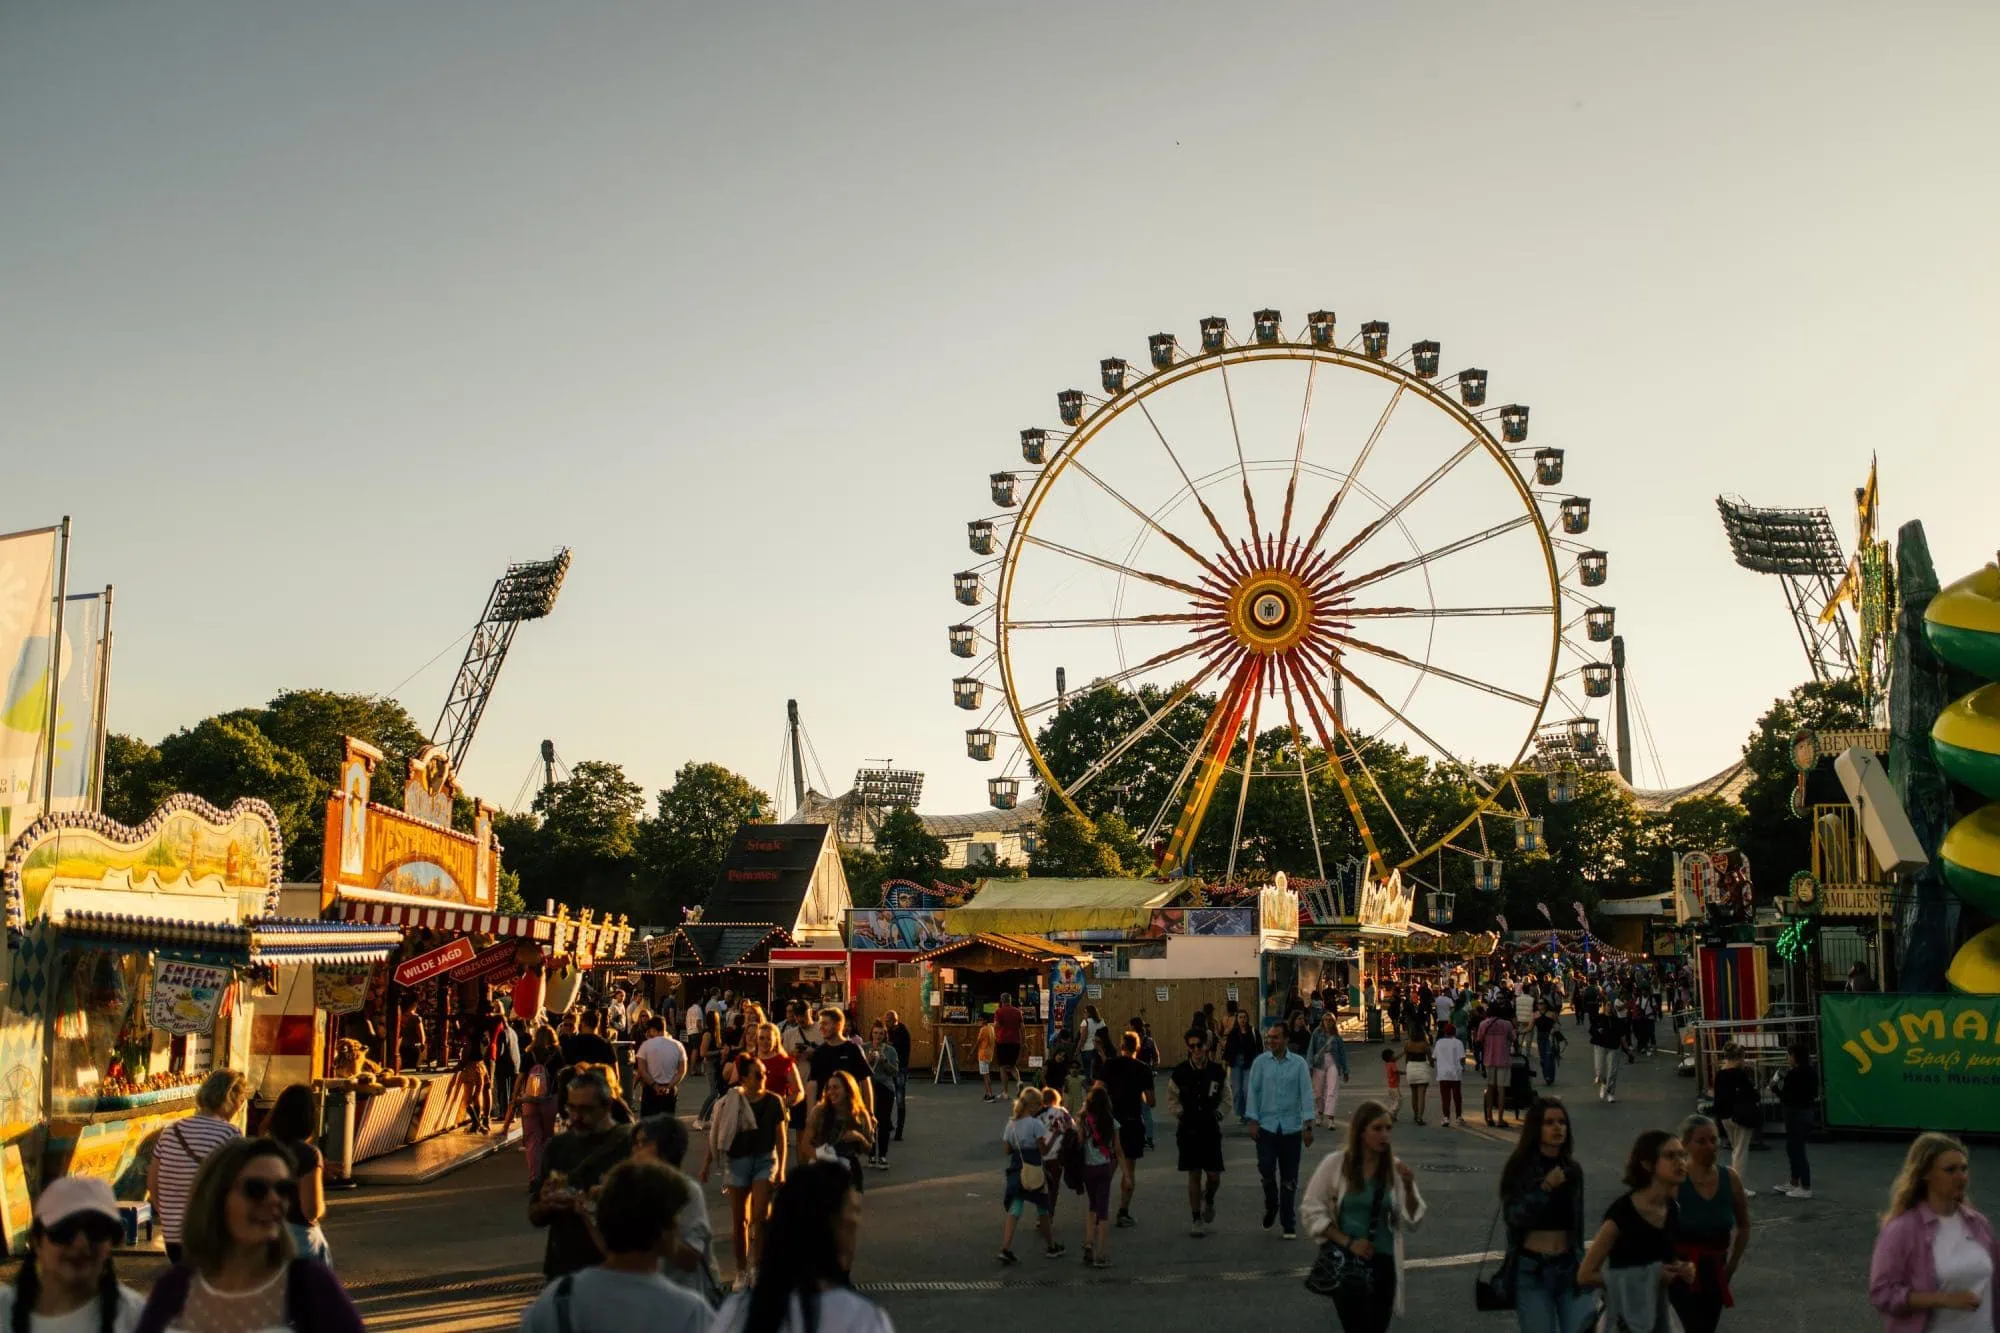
(1280, 1111)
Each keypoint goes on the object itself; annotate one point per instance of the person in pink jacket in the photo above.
(1935, 1255)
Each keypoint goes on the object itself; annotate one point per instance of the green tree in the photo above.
(224, 759)
(310, 724)
(865, 874)
(682, 846)
(908, 849)
(509, 898)
(1776, 842)
(133, 779)
(1069, 845)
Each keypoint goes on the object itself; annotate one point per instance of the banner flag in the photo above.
(78, 722)
(27, 627)
(1911, 1061)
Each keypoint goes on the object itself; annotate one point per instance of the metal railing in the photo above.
(1764, 1042)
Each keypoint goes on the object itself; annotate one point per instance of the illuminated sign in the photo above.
(414, 853)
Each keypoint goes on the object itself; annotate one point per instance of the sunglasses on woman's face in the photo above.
(100, 1230)
(256, 1189)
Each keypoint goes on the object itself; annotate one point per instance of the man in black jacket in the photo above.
(1610, 1038)
(899, 1037)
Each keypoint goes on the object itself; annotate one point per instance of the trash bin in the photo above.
(1374, 1024)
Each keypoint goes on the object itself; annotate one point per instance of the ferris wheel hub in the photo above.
(1270, 611)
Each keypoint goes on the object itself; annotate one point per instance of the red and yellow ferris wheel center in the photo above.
(1270, 611)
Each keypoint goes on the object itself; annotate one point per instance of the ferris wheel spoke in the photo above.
(1361, 759)
(1395, 511)
(1190, 589)
(1214, 523)
(1212, 758)
(1391, 655)
(1208, 643)
(1114, 622)
(1361, 459)
(1472, 774)
(1340, 777)
(1435, 612)
(1151, 522)
(1180, 696)
(1292, 486)
(1305, 778)
(1242, 468)
(1437, 553)
(1249, 767)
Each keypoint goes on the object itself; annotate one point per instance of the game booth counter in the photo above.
(135, 959)
(396, 1035)
(962, 986)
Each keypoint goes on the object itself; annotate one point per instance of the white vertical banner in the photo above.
(79, 719)
(27, 629)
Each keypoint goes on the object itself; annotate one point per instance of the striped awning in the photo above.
(451, 920)
(268, 940)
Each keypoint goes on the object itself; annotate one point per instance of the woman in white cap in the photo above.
(66, 1284)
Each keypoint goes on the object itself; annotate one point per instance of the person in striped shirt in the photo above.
(183, 1146)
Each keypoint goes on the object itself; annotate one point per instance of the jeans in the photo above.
(1546, 1299)
(1604, 1062)
(1798, 1123)
(1370, 1313)
(1278, 1164)
(1548, 1054)
(715, 1089)
(1089, 1070)
(1241, 1078)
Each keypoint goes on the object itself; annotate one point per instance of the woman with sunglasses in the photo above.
(66, 1284)
(239, 1270)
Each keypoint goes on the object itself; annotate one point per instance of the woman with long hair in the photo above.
(1240, 1049)
(239, 1270)
(1632, 1256)
(1935, 1255)
(183, 1146)
(294, 1122)
(711, 1059)
(748, 1129)
(1087, 1029)
(1363, 1200)
(805, 1287)
(781, 1072)
(66, 1281)
(1025, 1142)
(840, 1125)
(1103, 1158)
(1541, 1196)
(1715, 1228)
(535, 1096)
(1417, 1067)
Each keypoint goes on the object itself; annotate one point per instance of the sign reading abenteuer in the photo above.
(436, 962)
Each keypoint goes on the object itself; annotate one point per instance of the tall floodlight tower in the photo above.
(525, 592)
(798, 752)
(1800, 547)
(1620, 710)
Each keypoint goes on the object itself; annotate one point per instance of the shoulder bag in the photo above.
(1495, 1292)
(1339, 1272)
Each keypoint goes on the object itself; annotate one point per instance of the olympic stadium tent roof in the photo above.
(1046, 906)
(1728, 785)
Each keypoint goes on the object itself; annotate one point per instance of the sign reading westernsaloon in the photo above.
(414, 853)
(1912, 1061)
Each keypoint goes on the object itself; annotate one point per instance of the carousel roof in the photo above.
(1727, 785)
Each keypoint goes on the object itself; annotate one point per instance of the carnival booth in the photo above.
(716, 956)
(398, 1033)
(966, 980)
(134, 957)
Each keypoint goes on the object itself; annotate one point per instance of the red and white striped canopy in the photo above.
(458, 920)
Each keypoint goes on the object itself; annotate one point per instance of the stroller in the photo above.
(1521, 1083)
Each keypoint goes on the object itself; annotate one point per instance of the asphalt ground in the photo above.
(457, 1255)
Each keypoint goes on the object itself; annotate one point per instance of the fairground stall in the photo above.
(135, 955)
(965, 981)
(717, 957)
(398, 1033)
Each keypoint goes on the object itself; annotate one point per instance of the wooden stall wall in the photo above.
(873, 998)
(1169, 1018)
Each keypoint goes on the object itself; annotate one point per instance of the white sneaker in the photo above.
(1800, 1193)
(1749, 1193)
(1785, 1190)
(1611, 1098)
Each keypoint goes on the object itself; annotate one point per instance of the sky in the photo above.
(314, 317)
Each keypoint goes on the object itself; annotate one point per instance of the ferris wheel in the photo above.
(1293, 536)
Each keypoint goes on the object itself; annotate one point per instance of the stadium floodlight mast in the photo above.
(526, 591)
(1801, 548)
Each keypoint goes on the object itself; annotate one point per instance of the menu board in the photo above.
(186, 996)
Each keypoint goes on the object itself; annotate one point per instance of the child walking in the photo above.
(1392, 1100)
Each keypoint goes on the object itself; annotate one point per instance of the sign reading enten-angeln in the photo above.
(1912, 1061)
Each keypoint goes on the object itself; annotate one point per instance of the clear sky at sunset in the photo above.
(315, 316)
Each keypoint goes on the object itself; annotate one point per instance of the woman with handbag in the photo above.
(1026, 1143)
(1541, 1197)
(1357, 1206)
(1417, 1068)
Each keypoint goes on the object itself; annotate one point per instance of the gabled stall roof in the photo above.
(1051, 906)
(714, 944)
(991, 952)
